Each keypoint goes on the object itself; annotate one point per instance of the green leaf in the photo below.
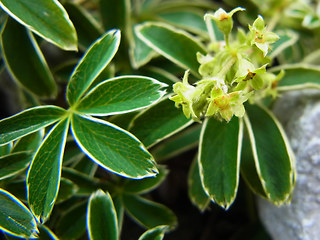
(119, 210)
(85, 184)
(156, 233)
(299, 76)
(140, 53)
(115, 13)
(123, 120)
(145, 185)
(87, 27)
(248, 167)
(92, 64)
(121, 95)
(14, 163)
(86, 166)
(272, 154)
(16, 187)
(44, 173)
(158, 122)
(196, 192)
(47, 18)
(287, 39)
(101, 217)
(72, 223)
(28, 121)
(190, 20)
(112, 147)
(5, 149)
(46, 234)
(174, 44)
(29, 142)
(177, 144)
(161, 75)
(148, 213)
(25, 61)
(219, 159)
(15, 217)
(67, 189)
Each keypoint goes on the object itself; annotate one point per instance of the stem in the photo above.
(226, 68)
(226, 38)
(208, 22)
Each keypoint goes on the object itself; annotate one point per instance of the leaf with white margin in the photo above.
(47, 18)
(112, 148)
(28, 121)
(156, 233)
(101, 217)
(219, 159)
(25, 61)
(175, 44)
(273, 156)
(15, 217)
(92, 64)
(121, 95)
(43, 178)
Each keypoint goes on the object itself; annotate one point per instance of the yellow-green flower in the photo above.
(260, 37)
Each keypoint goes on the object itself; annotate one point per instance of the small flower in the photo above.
(260, 36)
(223, 19)
(225, 105)
(184, 95)
(248, 74)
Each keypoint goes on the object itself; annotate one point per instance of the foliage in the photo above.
(91, 157)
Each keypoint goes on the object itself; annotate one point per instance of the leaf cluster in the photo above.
(95, 82)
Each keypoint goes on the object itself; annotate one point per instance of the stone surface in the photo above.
(300, 220)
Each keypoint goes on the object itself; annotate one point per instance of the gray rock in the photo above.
(300, 220)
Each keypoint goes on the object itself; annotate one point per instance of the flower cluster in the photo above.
(232, 72)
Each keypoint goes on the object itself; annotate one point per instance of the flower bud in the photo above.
(223, 19)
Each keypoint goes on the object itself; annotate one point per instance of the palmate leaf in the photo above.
(219, 159)
(149, 214)
(101, 217)
(174, 44)
(47, 18)
(156, 233)
(120, 95)
(158, 122)
(15, 217)
(274, 159)
(92, 64)
(25, 61)
(28, 121)
(43, 176)
(112, 147)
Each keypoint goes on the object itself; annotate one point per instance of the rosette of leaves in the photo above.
(26, 152)
(252, 142)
